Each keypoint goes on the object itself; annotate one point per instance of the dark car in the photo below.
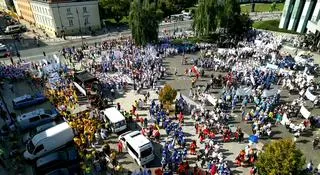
(70, 170)
(61, 159)
(28, 100)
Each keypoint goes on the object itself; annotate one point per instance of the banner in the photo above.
(27, 65)
(57, 59)
(272, 66)
(268, 93)
(304, 112)
(244, 91)
(252, 80)
(80, 88)
(310, 96)
(211, 99)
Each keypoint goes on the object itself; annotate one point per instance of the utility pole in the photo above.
(79, 26)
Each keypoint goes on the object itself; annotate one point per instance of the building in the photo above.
(24, 10)
(5, 4)
(301, 16)
(66, 17)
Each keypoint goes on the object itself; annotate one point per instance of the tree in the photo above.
(167, 95)
(116, 9)
(144, 20)
(280, 158)
(213, 14)
(273, 6)
(205, 21)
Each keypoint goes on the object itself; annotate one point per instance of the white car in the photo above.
(36, 118)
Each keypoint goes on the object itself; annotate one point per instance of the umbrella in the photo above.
(254, 139)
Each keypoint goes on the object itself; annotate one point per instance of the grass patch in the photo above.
(112, 22)
(272, 25)
(260, 7)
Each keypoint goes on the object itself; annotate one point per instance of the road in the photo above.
(33, 53)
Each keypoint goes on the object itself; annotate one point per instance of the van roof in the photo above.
(50, 132)
(12, 26)
(136, 139)
(113, 115)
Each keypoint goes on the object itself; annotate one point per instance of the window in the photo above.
(68, 10)
(85, 10)
(45, 116)
(86, 20)
(34, 119)
(38, 149)
(146, 152)
(132, 150)
(70, 22)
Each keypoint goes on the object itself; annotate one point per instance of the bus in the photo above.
(138, 146)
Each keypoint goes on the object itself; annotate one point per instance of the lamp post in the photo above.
(15, 47)
(79, 26)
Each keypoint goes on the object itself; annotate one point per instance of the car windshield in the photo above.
(120, 123)
(30, 146)
(146, 152)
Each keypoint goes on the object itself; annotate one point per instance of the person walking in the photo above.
(315, 143)
(120, 146)
(44, 53)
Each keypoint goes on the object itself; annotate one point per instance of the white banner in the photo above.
(244, 91)
(27, 65)
(304, 112)
(80, 88)
(57, 59)
(268, 93)
(211, 99)
(284, 119)
(310, 96)
(272, 66)
(252, 80)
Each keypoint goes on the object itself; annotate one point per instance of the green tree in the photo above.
(213, 14)
(170, 7)
(144, 20)
(205, 20)
(273, 6)
(167, 94)
(280, 158)
(115, 9)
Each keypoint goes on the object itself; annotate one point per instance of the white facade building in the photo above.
(301, 16)
(3, 4)
(66, 17)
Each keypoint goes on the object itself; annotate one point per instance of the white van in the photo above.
(48, 140)
(138, 146)
(27, 136)
(15, 29)
(115, 118)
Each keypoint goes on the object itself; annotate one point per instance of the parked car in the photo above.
(26, 137)
(28, 100)
(4, 52)
(74, 169)
(60, 159)
(13, 29)
(36, 118)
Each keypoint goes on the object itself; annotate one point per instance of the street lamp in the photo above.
(15, 47)
(79, 26)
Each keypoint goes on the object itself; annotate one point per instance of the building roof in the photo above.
(85, 77)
